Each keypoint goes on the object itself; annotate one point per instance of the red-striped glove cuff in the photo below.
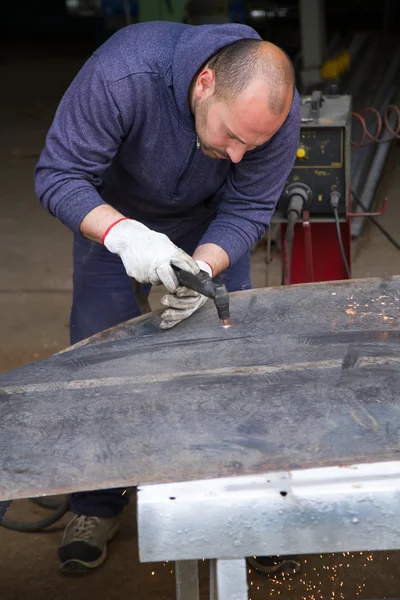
(208, 265)
(211, 269)
(111, 226)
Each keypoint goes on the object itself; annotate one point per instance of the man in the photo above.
(171, 146)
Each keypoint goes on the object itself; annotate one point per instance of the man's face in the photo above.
(228, 129)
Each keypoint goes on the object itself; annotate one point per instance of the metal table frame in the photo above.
(267, 412)
(332, 509)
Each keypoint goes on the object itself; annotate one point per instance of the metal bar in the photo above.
(378, 90)
(378, 213)
(333, 45)
(390, 71)
(362, 71)
(232, 580)
(187, 580)
(313, 33)
(373, 177)
(361, 158)
(332, 509)
(356, 45)
(213, 580)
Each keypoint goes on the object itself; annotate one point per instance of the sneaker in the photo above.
(84, 543)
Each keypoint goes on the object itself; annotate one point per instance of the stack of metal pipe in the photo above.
(372, 81)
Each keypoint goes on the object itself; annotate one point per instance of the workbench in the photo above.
(278, 435)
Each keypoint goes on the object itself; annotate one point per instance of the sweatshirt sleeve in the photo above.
(83, 139)
(253, 189)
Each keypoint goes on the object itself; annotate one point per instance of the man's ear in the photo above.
(204, 84)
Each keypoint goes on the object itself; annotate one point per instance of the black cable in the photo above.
(37, 525)
(339, 236)
(47, 502)
(334, 198)
(376, 223)
(295, 209)
(4, 504)
(270, 566)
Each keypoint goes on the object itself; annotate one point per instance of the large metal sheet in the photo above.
(306, 511)
(309, 377)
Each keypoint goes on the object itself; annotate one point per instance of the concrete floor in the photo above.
(35, 296)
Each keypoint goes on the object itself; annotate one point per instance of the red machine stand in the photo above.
(315, 251)
(316, 254)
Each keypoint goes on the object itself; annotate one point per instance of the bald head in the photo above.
(240, 98)
(240, 63)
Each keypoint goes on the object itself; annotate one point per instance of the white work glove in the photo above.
(147, 255)
(183, 303)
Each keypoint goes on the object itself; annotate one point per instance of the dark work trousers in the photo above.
(103, 297)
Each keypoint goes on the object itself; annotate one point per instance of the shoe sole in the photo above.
(80, 566)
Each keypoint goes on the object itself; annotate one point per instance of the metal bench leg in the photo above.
(187, 580)
(213, 580)
(231, 576)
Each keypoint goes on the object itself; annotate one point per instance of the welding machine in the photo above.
(313, 209)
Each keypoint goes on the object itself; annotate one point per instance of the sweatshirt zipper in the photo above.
(187, 167)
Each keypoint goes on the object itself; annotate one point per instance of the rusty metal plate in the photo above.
(308, 377)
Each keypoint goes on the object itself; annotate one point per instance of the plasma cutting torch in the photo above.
(201, 283)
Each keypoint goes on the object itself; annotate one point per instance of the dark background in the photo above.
(50, 22)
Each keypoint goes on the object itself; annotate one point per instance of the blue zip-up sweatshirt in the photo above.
(124, 134)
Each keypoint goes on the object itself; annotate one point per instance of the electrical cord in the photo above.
(339, 236)
(4, 504)
(391, 239)
(334, 199)
(294, 211)
(270, 566)
(382, 128)
(32, 527)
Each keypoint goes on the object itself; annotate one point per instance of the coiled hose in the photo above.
(32, 527)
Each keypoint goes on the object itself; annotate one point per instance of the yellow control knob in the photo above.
(300, 153)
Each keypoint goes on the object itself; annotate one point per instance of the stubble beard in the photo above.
(200, 115)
